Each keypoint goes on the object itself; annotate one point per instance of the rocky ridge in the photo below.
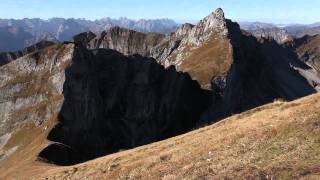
(173, 49)
(191, 37)
(126, 41)
(7, 57)
(307, 49)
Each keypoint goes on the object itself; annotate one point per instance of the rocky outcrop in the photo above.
(83, 39)
(183, 30)
(192, 37)
(308, 50)
(202, 50)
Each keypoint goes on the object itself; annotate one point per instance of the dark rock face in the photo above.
(261, 72)
(7, 57)
(308, 50)
(84, 38)
(115, 102)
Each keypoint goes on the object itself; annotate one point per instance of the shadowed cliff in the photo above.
(261, 72)
(114, 102)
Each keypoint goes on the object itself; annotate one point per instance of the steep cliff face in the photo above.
(261, 71)
(308, 50)
(102, 100)
(114, 102)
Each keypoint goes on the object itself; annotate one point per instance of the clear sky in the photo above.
(278, 11)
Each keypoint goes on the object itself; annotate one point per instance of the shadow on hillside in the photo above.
(113, 102)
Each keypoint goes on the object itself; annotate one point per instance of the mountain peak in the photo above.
(215, 18)
(214, 24)
(219, 13)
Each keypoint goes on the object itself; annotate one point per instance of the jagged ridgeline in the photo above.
(22, 33)
(101, 93)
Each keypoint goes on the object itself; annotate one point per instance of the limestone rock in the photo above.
(31, 87)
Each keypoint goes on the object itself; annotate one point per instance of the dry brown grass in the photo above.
(277, 141)
(30, 140)
(208, 60)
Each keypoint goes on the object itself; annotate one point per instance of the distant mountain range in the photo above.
(26, 32)
(281, 33)
(22, 33)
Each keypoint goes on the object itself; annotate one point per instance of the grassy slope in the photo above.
(209, 60)
(27, 138)
(278, 141)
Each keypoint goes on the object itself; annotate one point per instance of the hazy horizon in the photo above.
(272, 11)
(176, 21)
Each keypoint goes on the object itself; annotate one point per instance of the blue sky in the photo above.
(277, 11)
